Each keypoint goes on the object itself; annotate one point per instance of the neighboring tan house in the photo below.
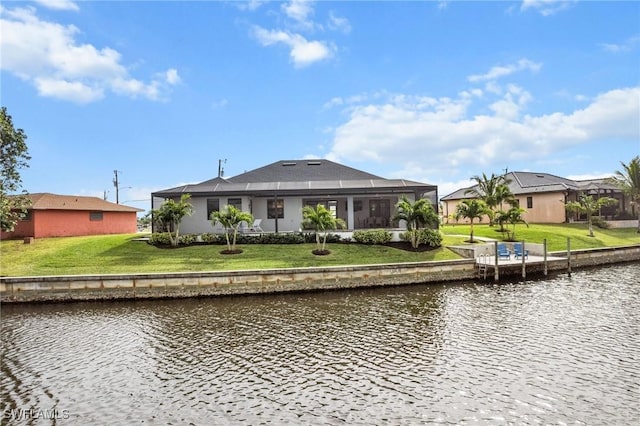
(276, 194)
(543, 196)
(52, 215)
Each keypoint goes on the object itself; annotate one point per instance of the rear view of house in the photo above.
(52, 215)
(276, 194)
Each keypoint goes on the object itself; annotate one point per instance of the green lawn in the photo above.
(556, 235)
(115, 254)
(120, 254)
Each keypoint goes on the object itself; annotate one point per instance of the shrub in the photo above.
(372, 236)
(310, 237)
(188, 239)
(600, 223)
(160, 239)
(213, 238)
(429, 237)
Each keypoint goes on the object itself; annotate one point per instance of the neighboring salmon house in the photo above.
(544, 196)
(52, 215)
(275, 194)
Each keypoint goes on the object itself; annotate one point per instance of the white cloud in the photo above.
(441, 133)
(59, 4)
(74, 91)
(627, 46)
(302, 51)
(338, 23)
(590, 176)
(172, 76)
(250, 5)
(505, 70)
(47, 55)
(299, 11)
(546, 7)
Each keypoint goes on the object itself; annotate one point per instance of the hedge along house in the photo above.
(544, 196)
(276, 194)
(52, 215)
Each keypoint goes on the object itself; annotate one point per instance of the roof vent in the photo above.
(313, 163)
(540, 176)
(288, 164)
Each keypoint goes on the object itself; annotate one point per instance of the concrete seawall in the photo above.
(221, 283)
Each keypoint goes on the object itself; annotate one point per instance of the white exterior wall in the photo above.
(198, 223)
(292, 220)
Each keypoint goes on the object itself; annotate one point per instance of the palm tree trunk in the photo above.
(471, 236)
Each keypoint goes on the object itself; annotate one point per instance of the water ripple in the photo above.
(561, 350)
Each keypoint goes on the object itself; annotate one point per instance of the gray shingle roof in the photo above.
(530, 182)
(302, 170)
(299, 177)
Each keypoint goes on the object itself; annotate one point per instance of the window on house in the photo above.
(357, 205)
(28, 216)
(275, 207)
(529, 202)
(235, 202)
(95, 216)
(213, 205)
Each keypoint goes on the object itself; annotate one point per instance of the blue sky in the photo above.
(430, 91)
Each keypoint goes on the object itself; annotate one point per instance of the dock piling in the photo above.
(524, 267)
(496, 274)
(569, 255)
(544, 247)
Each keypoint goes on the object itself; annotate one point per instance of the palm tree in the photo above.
(171, 213)
(321, 220)
(416, 215)
(513, 216)
(629, 181)
(587, 204)
(471, 209)
(231, 218)
(504, 194)
(493, 191)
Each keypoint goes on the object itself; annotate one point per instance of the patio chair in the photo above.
(256, 226)
(519, 251)
(503, 252)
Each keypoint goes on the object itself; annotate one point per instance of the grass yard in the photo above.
(556, 235)
(114, 254)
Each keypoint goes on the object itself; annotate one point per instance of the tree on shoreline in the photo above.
(513, 216)
(13, 156)
(494, 191)
(471, 209)
(588, 205)
(629, 181)
(416, 215)
(231, 218)
(171, 213)
(321, 220)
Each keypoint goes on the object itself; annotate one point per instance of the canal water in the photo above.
(562, 350)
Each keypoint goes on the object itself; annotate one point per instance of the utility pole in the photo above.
(115, 183)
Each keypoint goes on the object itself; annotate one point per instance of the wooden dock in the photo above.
(487, 265)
